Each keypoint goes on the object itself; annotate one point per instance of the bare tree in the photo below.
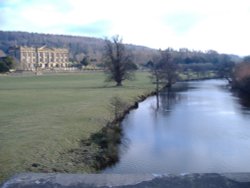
(165, 69)
(156, 76)
(118, 61)
(226, 70)
(169, 66)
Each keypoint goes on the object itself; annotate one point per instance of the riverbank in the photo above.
(45, 117)
(180, 133)
(106, 141)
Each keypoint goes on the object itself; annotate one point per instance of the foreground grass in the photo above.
(42, 117)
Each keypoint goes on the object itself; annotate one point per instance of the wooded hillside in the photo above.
(78, 46)
(81, 47)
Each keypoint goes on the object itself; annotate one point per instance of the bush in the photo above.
(117, 107)
(6, 64)
(241, 79)
(3, 67)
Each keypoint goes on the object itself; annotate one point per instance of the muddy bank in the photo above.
(100, 150)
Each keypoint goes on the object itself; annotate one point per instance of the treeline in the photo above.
(170, 64)
(79, 47)
(92, 48)
(190, 63)
(196, 62)
(76, 45)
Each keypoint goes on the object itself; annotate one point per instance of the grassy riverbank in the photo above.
(43, 117)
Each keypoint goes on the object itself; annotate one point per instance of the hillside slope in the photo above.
(78, 45)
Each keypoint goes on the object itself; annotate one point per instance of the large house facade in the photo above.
(33, 58)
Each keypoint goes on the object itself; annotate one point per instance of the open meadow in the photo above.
(42, 117)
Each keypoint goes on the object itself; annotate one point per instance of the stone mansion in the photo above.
(33, 58)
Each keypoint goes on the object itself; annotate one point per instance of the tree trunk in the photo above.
(118, 84)
(157, 93)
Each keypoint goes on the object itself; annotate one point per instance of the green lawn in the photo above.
(43, 116)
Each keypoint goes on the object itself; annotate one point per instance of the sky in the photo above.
(221, 25)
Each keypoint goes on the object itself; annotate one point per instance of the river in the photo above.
(200, 126)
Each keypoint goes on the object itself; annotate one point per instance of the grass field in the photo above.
(43, 116)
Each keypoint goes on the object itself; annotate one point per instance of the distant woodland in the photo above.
(234, 68)
(78, 46)
(92, 48)
(81, 47)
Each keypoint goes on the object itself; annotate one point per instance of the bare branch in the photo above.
(118, 61)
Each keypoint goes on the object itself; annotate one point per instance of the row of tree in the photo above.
(93, 48)
(167, 65)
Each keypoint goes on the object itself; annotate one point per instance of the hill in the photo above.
(78, 46)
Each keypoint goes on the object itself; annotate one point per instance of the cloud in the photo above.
(196, 24)
(182, 22)
(95, 29)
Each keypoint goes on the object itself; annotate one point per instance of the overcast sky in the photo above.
(222, 25)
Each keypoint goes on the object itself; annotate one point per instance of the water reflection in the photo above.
(168, 97)
(199, 127)
(244, 100)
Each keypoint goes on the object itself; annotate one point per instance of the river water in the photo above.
(199, 127)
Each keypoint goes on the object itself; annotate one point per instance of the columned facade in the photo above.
(31, 58)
